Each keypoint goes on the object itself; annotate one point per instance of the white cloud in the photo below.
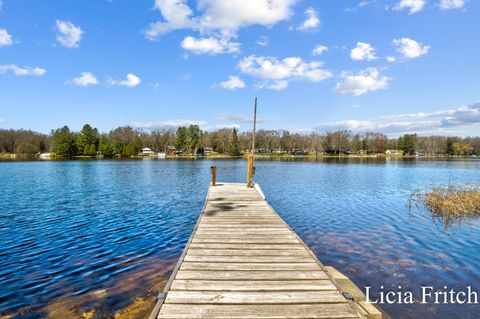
(232, 83)
(275, 85)
(367, 80)
(229, 16)
(225, 17)
(85, 79)
(5, 38)
(361, 4)
(168, 124)
(413, 6)
(131, 81)
(363, 51)
(210, 45)
(277, 73)
(391, 59)
(312, 21)
(237, 118)
(451, 4)
(69, 35)
(262, 41)
(409, 48)
(422, 123)
(20, 71)
(176, 14)
(319, 49)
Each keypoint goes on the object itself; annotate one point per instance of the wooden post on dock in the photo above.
(251, 157)
(214, 175)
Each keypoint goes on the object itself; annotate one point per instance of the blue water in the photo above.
(71, 229)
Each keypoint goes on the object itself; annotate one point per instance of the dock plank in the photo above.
(250, 275)
(246, 285)
(248, 266)
(306, 311)
(254, 297)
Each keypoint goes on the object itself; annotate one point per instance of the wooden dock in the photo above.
(244, 261)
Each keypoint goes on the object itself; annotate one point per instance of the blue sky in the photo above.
(393, 66)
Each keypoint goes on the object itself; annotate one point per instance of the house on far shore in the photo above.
(299, 152)
(171, 150)
(147, 151)
(207, 150)
(45, 156)
(392, 152)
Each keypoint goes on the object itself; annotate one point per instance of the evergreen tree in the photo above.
(92, 150)
(64, 142)
(233, 144)
(193, 137)
(407, 144)
(87, 137)
(181, 138)
(86, 149)
(41, 146)
(450, 149)
(106, 147)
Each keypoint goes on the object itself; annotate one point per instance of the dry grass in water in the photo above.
(450, 203)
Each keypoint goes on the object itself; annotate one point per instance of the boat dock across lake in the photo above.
(244, 261)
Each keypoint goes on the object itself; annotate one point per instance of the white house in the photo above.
(147, 151)
(392, 152)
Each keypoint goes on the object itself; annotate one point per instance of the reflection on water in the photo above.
(99, 238)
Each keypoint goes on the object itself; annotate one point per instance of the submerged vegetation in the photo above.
(450, 203)
(127, 141)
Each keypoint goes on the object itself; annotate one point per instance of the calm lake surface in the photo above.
(98, 234)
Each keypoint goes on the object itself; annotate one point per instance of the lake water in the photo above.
(98, 235)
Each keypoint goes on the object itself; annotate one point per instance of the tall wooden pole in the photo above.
(251, 157)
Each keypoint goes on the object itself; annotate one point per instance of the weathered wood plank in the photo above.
(253, 265)
(244, 246)
(244, 240)
(247, 252)
(241, 222)
(245, 285)
(250, 275)
(227, 218)
(241, 227)
(244, 235)
(268, 232)
(254, 297)
(248, 259)
(308, 311)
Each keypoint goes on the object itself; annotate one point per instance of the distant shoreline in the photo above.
(13, 156)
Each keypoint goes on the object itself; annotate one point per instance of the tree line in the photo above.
(127, 141)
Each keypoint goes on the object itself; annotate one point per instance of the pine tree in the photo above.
(64, 142)
(193, 137)
(87, 137)
(450, 149)
(234, 144)
(407, 144)
(92, 150)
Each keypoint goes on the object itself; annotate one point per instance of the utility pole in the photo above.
(251, 157)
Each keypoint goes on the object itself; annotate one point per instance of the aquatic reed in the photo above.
(450, 203)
